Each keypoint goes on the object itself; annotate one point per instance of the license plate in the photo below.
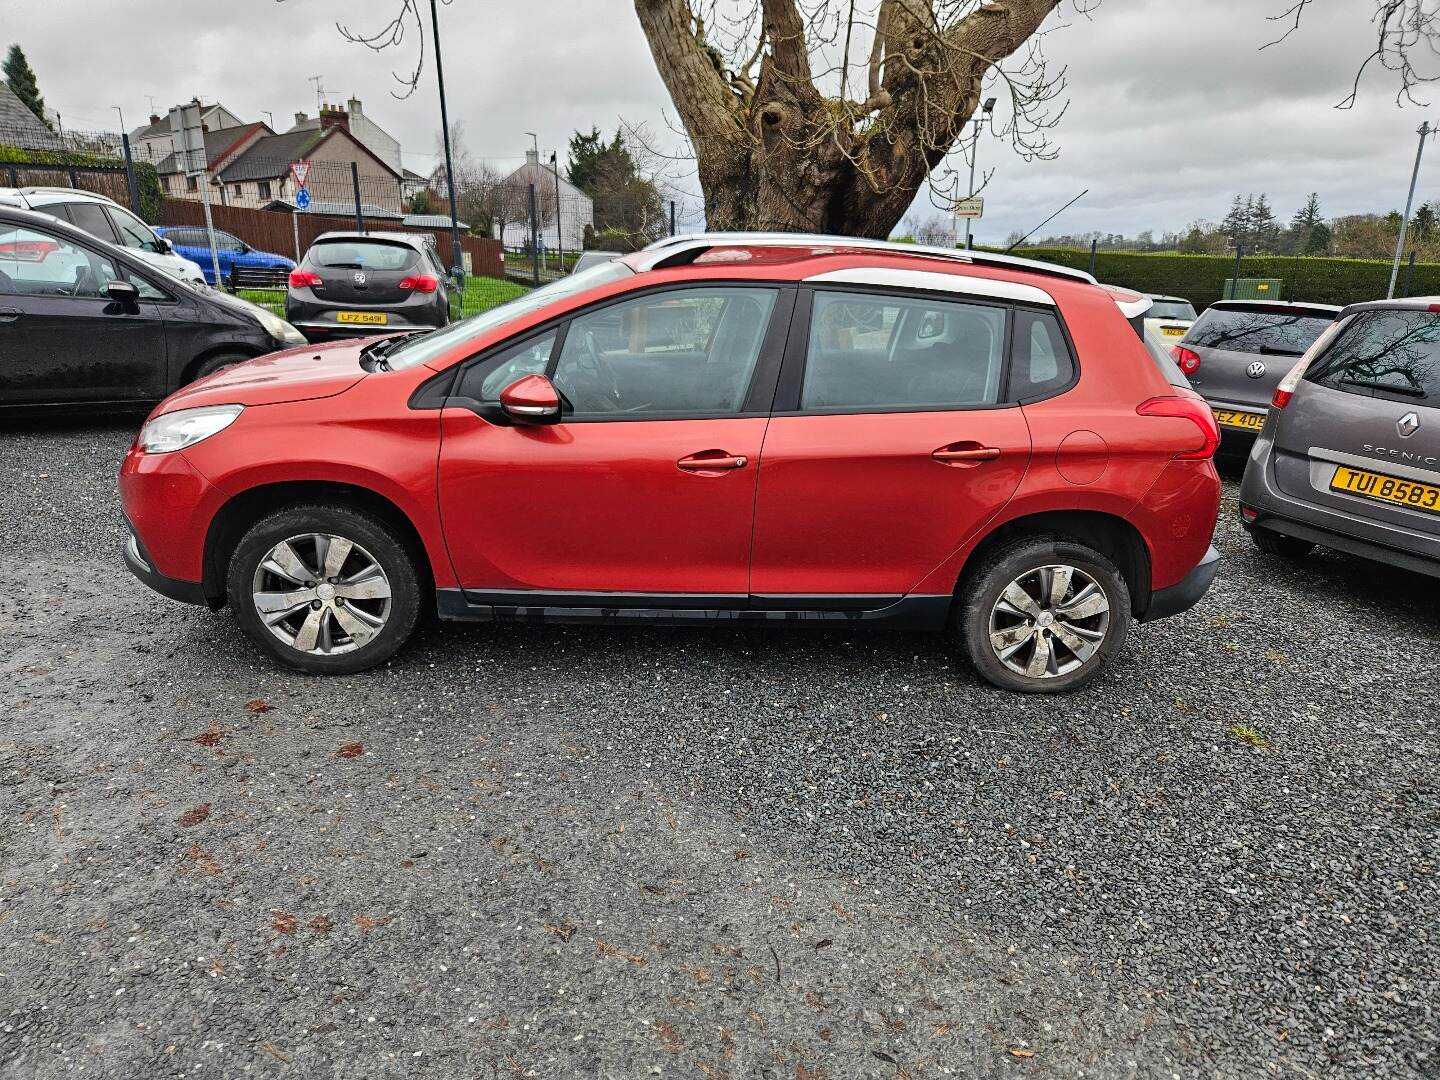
(1387, 489)
(370, 318)
(1173, 331)
(1244, 421)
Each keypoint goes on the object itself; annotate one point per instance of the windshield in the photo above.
(426, 347)
(1170, 309)
(362, 255)
(1274, 332)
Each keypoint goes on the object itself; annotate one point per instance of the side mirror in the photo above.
(531, 400)
(122, 292)
(163, 246)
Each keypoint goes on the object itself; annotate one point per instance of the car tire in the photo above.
(1281, 546)
(354, 619)
(1043, 628)
(219, 362)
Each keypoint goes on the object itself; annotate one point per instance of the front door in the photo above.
(892, 449)
(64, 339)
(646, 486)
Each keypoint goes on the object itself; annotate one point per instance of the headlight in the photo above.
(186, 427)
(278, 328)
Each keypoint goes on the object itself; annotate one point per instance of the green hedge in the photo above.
(1201, 278)
(146, 178)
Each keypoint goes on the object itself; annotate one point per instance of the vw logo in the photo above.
(1408, 424)
(359, 277)
(1256, 369)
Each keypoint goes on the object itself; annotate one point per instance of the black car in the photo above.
(354, 284)
(86, 323)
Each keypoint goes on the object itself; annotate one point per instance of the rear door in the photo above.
(1362, 432)
(891, 444)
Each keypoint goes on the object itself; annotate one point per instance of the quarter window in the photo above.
(868, 351)
(133, 232)
(677, 353)
(1041, 362)
(483, 382)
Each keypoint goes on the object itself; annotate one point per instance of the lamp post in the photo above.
(1425, 132)
(456, 257)
(985, 111)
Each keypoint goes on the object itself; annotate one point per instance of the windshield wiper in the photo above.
(374, 354)
(1408, 391)
(1275, 350)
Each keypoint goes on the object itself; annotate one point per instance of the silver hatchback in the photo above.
(1236, 353)
(1349, 457)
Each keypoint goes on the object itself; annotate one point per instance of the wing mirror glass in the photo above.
(531, 400)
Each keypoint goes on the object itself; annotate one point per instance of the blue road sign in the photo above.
(302, 198)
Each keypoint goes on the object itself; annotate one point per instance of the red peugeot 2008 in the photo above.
(753, 428)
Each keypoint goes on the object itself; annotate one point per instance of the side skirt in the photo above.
(894, 612)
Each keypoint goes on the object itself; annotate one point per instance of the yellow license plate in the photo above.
(370, 318)
(1245, 421)
(1173, 331)
(1387, 489)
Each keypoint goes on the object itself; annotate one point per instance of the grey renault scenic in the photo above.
(1236, 353)
(1349, 457)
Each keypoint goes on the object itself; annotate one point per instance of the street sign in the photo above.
(302, 198)
(973, 207)
(301, 171)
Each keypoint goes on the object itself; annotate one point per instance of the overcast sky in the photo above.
(1172, 108)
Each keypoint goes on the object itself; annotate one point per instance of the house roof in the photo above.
(161, 125)
(271, 156)
(544, 177)
(21, 127)
(218, 145)
(337, 209)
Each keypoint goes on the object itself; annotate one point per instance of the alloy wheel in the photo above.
(1049, 621)
(321, 594)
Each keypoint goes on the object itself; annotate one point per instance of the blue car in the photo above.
(191, 242)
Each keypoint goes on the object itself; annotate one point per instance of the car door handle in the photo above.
(966, 453)
(712, 460)
(10, 314)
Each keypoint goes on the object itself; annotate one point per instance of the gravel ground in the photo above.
(555, 852)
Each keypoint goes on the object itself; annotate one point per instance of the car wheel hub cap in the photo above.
(1049, 621)
(321, 594)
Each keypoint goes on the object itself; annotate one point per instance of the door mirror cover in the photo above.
(122, 292)
(531, 400)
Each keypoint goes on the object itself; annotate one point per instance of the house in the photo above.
(262, 173)
(353, 118)
(222, 146)
(576, 210)
(413, 183)
(154, 142)
(22, 128)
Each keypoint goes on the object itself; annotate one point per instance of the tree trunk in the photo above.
(778, 155)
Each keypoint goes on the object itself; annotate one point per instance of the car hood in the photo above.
(300, 374)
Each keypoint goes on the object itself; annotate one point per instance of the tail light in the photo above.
(300, 279)
(420, 283)
(1189, 361)
(1197, 412)
(1288, 385)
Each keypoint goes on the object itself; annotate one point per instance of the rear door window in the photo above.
(1390, 354)
(869, 352)
(1269, 333)
(92, 218)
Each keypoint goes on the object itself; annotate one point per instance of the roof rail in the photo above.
(684, 248)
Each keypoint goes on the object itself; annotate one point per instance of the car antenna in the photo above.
(1047, 221)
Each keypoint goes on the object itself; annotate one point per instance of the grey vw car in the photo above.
(1350, 456)
(1238, 351)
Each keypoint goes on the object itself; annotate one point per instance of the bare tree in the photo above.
(792, 129)
(1406, 43)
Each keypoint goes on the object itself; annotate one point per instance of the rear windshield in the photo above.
(1393, 354)
(1170, 309)
(1267, 332)
(362, 255)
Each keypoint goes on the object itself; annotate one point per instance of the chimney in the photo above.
(154, 118)
(300, 118)
(354, 104)
(333, 116)
(532, 157)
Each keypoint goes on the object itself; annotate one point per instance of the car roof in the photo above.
(15, 215)
(48, 196)
(1408, 303)
(686, 248)
(409, 239)
(1276, 306)
(1162, 296)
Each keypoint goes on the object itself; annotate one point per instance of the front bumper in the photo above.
(1186, 592)
(189, 592)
